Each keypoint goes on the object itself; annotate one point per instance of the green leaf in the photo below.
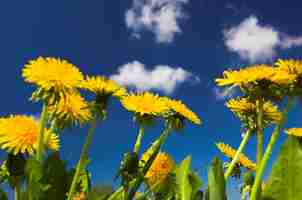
(182, 179)
(286, 178)
(216, 188)
(195, 183)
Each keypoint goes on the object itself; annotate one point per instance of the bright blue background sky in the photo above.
(93, 36)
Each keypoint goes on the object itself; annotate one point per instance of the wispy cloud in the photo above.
(161, 17)
(255, 42)
(222, 94)
(161, 78)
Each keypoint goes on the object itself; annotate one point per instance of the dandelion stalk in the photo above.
(269, 150)
(135, 184)
(43, 119)
(139, 139)
(83, 158)
(154, 149)
(40, 148)
(238, 153)
(17, 191)
(259, 108)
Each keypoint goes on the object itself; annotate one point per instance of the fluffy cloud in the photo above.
(254, 42)
(161, 17)
(162, 78)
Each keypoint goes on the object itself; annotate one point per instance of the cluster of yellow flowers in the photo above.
(58, 83)
(242, 107)
(283, 72)
(230, 153)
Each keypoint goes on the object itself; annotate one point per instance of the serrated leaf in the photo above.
(286, 177)
(216, 181)
(182, 179)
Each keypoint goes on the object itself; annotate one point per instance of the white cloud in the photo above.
(256, 43)
(289, 42)
(222, 94)
(252, 41)
(161, 17)
(161, 78)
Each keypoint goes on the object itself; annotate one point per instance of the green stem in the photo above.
(139, 139)
(54, 126)
(155, 148)
(136, 182)
(43, 119)
(259, 109)
(238, 153)
(40, 148)
(269, 150)
(83, 159)
(17, 191)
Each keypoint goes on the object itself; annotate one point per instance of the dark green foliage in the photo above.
(52, 179)
(285, 180)
(15, 165)
(3, 195)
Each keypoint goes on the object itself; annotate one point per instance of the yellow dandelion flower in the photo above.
(182, 110)
(246, 76)
(71, 110)
(230, 153)
(243, 107)
(103, 86)
(19, 133)
(294, 131)
(54, 77)
(161, 167)
(287, 71)
(144, 104)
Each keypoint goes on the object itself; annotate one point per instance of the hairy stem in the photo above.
(139, 139)
(259, 109)
(238, 153)
(17, 191)
(43, 119)
(83, 159)
(137, 182)
(269, 150)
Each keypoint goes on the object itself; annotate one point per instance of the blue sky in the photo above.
(175, 47)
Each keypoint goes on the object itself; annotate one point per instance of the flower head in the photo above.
(19, 133)
(246, 76)
(182, 110)
(243, 108)
(230, 153)
(54, 77)
(70, 111)
(145, 104)
(287, 71)
(103, 86)
(294, 131)
(161, 167)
